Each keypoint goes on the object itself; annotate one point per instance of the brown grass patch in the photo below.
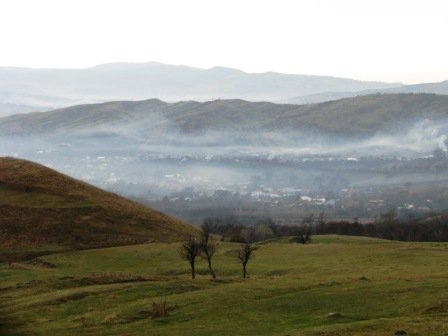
(159, 309)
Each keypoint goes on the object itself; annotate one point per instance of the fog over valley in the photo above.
(215, 168)
(196, 159)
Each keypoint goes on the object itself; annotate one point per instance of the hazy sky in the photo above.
(390, 40)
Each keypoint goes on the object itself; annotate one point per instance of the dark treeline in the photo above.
(388, 226)
(435, 230)
(230, 229)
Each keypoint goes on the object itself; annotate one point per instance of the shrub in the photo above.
(159, 309)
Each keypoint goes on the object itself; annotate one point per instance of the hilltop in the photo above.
(359, 116)
(42, 208)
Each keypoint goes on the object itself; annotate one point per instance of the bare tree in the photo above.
(208, 247)
(244, 255)
(321, 219)
(189, 251)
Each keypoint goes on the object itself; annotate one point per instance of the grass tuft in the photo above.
(159, 309)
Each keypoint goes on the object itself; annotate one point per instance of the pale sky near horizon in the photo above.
(394, 40)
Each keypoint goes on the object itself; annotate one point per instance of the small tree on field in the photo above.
(208, 247)
(303, 235)
(244, 255)
(189, 251)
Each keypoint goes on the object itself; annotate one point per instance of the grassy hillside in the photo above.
(43, 209)
(334, 286)
(359, 116)
(367, 115)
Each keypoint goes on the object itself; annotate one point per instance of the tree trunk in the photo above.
(211, 269)
(244, 271)
(193, 273)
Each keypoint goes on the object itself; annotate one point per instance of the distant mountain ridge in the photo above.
(360, 116)
(44, 89)
(137, 81)
(440, 88)
(437, 88)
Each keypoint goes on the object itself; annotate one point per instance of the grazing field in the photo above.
(333, 286)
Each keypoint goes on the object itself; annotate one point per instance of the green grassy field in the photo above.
(375, 287)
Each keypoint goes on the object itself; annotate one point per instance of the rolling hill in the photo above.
(43, 209)
(360, 116)
(440, 88)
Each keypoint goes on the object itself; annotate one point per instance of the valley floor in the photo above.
(333, 286)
